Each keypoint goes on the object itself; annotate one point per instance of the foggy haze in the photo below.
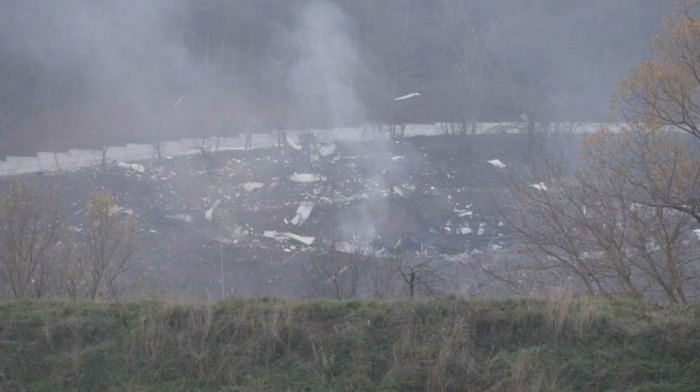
(79, 68)
(327, 61)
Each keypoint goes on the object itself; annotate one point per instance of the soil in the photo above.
(416, 197)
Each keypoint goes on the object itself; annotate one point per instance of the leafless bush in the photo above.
(31, 230)
(108, 244)
(336, 275)
(361, 272)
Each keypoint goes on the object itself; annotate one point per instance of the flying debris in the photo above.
(407, 96)
(541, 186)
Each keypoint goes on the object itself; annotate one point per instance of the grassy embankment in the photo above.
(443, 344)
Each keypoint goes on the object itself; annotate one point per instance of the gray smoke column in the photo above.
(321, 78)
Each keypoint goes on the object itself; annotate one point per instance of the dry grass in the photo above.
(443, 344)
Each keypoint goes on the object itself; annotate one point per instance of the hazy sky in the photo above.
(325, 62)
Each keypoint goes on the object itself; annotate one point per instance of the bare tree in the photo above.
(109, 241)
(31, 229)
(662, 91)
(660, 94)
(360, 272)
(420, 277)
(620, 223)
(600, 226)
(336, 275)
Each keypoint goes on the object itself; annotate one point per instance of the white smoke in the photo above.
(321, 80)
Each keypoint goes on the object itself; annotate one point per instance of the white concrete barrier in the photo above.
(47, 161)
(119, 154)
(139, 152)
(74, 158)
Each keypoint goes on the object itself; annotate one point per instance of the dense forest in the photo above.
(166, 68)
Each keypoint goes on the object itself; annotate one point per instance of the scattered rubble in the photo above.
(256, 197)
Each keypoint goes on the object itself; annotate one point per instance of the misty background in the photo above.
(83, 73)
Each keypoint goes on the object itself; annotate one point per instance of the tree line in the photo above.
(625, 221)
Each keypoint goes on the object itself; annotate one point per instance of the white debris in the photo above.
(463, 213)
(541, 186)
(407, 96)
(132, 166)
(327, 150)
(120, 210)
(303, 212)
(209, 214)
(288, 236)
(303, 239)
(181, 217)
(396, 158)
(481, 229)
(274, 235)
(697, 233)
(465, 230)
(497, 163)
(293, 144)
(251, 186)
(398, 191)
(305, 177)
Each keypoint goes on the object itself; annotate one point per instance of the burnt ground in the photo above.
(419, 197)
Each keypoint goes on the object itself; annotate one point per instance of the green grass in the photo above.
(440, 344)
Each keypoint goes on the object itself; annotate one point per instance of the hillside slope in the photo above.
(442, 344)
